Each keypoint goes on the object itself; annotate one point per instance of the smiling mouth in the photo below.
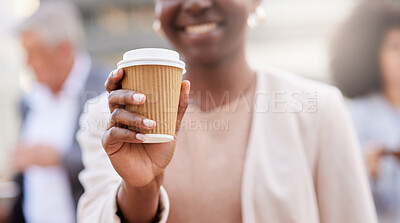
(201, 28)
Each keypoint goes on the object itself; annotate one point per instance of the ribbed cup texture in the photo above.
(161, 85)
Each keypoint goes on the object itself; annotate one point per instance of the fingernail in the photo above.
(115, 72)
(149, 123)
(138, 98)
(141, 137)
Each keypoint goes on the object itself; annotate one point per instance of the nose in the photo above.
(197, 7)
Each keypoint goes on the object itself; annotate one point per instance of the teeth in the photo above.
(202, 28)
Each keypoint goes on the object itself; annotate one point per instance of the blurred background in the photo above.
(296, 36)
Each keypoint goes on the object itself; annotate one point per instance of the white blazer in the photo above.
(303, 163)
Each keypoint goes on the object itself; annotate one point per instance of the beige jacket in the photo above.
(303, 163)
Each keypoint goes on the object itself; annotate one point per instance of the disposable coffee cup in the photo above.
(156, 73)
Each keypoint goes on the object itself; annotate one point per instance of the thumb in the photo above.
(183, 102)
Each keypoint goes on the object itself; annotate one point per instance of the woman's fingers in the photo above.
(114, 138)
(118, 98)
(183, 102)
(113, 81)
(123, 117)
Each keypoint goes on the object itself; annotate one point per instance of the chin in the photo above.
(207, 56)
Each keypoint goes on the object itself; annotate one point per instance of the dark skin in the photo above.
(215, 63)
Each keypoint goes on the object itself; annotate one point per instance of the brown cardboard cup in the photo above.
(156, 73)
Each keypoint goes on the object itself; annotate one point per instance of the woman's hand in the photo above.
(138, 164)
(141, 166)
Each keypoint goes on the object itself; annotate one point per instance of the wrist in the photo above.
(145, 200)
(155, 184)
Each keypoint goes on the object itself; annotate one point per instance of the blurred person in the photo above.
(289, 154)
(366, 67)
(48, 156)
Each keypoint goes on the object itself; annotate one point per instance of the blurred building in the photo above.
(296, 35)
(11, 65)
(113, 27)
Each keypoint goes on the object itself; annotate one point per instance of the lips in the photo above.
(202, 31)
(201, 28)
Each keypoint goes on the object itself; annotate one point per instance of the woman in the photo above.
(289, 153)
(366, 66)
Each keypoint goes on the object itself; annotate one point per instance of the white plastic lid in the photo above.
(151, 56)
(158, 138)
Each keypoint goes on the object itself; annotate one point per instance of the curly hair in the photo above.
(355, 50)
